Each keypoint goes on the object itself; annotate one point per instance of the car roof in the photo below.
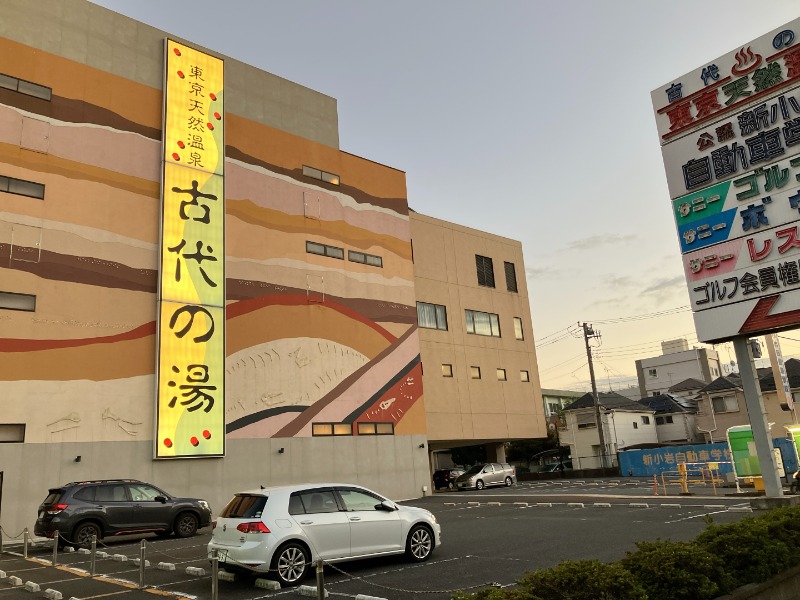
(298, 487)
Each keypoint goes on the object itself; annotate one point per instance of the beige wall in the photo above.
(719, 422)
(461, 410)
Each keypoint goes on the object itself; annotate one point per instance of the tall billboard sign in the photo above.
(190, 409)
(730, 140)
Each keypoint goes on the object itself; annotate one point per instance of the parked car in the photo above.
(557, 467)
(446, 478)
(106, 507)
(486, 474)
(285, 530)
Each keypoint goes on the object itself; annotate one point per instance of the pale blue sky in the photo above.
(531, 120)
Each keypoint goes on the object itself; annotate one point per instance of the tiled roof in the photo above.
(687, 385)
(666, 404)
(609, 400)
(767, 381)
(729, 382)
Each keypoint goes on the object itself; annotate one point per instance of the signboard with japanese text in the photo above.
(730, 136)
(190, 415)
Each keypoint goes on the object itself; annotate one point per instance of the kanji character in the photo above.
(195, 194)
(196, 72)
(192, 310)
(759, 254)
(788, 273)
(726, 160)
(792, 62)
(196, 106)
(768, 278)
(197, 256)
(765, 77)
(749, 284)
(774, 177)
(196, 395)
(707, 103)
(710, 72)
(697, 172)
(791, 242)
(750, 180)
(736, 89)
(195, 124)
(680, 116)
(674, 92)
(196, 141)
(765, 146)
(735, 283)
(196, 89)
(791, 132)
(725, 132)
(194, 160)
(754, 216)
(753, 120)
(705, 141)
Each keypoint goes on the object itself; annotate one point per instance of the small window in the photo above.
(325, 250)
(431, 316)
(322, 429)
(320, 175)
(652, 372)
(12, 301)
(501, 375)
(21, 187)
(645, 420)
(365, 259)
(375, 428)
(25, 87)
(11, 433)
(511, 277)
(447, 370)
(475, 372)
(668, 419)
(722, 404)
(525, 377)
(659, 420)
(518, 329)
(485, 270)
(635, 425)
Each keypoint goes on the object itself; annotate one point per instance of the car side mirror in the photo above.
(386, 505)
(161, 499)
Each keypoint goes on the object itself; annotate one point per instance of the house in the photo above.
(675, 418)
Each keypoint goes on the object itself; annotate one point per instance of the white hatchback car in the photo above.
(284, 530)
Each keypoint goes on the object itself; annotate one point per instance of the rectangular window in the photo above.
(375, 428)
(325, 250)
(659, 420)
(365, 259)
(585, 420)
(320, 429)
(635, 425)
(22, 187)
(524, 376)
(25, 87)
(11, 433)
(320, 175)
(518, 329)
(12, 301)
(722, 404)
(668, 419)
(652, 372)
(481, 323)
(501, 375)
(485, 270)
(646, 420)
(475, 372)
(511, 277)
(431, 316)
(447, 370)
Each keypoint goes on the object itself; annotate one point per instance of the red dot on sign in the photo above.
(207, 434)
(181, 75)
(213, 96)
(217, 116)
(210, 126)
(176, 51)
(195, 441)
(168, 442)
(176, 156)
(181, 145)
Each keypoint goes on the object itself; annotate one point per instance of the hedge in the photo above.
(719, 560)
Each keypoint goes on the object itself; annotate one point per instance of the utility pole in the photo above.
(588, 332)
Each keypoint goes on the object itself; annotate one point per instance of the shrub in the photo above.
(581, 580)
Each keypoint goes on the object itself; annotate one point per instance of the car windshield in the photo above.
(475, 470)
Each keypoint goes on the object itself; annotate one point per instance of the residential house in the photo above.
(675, 418)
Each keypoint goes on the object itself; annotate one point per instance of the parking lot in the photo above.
(488, 537)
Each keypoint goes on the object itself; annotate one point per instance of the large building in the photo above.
(677, 363)
(200, 289)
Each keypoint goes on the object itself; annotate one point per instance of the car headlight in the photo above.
(433, 517)
(204, 504)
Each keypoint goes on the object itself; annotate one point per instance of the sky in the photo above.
(527, 119)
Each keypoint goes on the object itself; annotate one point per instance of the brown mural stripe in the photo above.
(28, 345)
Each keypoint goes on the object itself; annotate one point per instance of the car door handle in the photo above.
(306, 522)
(355, 518)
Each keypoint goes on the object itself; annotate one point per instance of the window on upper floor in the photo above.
(723, 404)
(501, 375)
(21, 187)
(511, 277)
(12, 433)
(475, 372)
(652, 372)
(375, 428)
(645, 420)
(447, 370)
(323, 429)
(585, 420)
(14, 301)
(25, 87)
(364, 258)
(518, 334)
(635, 425)
(325, 250)
(431, 316)
(320, 175)
(524, 376)
(485, 270)
(481, 323)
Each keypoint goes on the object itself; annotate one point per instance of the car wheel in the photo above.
(185, 525)
(290, 564)
(82, 536)
(419, 544)
(450, 485)
(479, 484)
(509, 481)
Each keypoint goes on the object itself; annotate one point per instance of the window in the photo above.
(21, 187)
(551, 406)
(501, 375)
(25, 87)
(511, 277)
(635, 425)
(652, 372)
(321, 175)
(447, 370)
(431, 316)
(481, 323)
(12, 301)
(645, 420)
(331, 429)
(319, 501)
(485, 270)
(375, 428)
(358, 499)
(363, 258)
(325, 250)
(663, 420)
(12, 432)
(518, 329)
(656, 393)
(524, 376)
(722, 404)
(475, 372)
(585, 420)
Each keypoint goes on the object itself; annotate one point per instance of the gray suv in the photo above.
(486, 474)
(75, 512)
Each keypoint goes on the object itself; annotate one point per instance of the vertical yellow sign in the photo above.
(190, 415)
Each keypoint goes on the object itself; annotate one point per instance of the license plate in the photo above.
(221, 555)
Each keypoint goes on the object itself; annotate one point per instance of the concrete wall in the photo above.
(698, 363)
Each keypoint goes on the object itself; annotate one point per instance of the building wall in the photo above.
(461, 410)
(719, 422)
(682, 428)
(628, 428)
(618, 431)
(698, 363)
(554, 400)
(308, 338)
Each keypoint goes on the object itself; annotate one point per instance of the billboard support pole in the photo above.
(758, 417)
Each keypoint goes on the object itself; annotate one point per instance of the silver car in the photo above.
(487, 474)
(285, 530)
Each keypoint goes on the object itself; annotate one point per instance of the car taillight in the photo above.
(252, 527)
(56, 508)
(214, 524)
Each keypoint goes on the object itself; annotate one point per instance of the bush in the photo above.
(581, 580)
